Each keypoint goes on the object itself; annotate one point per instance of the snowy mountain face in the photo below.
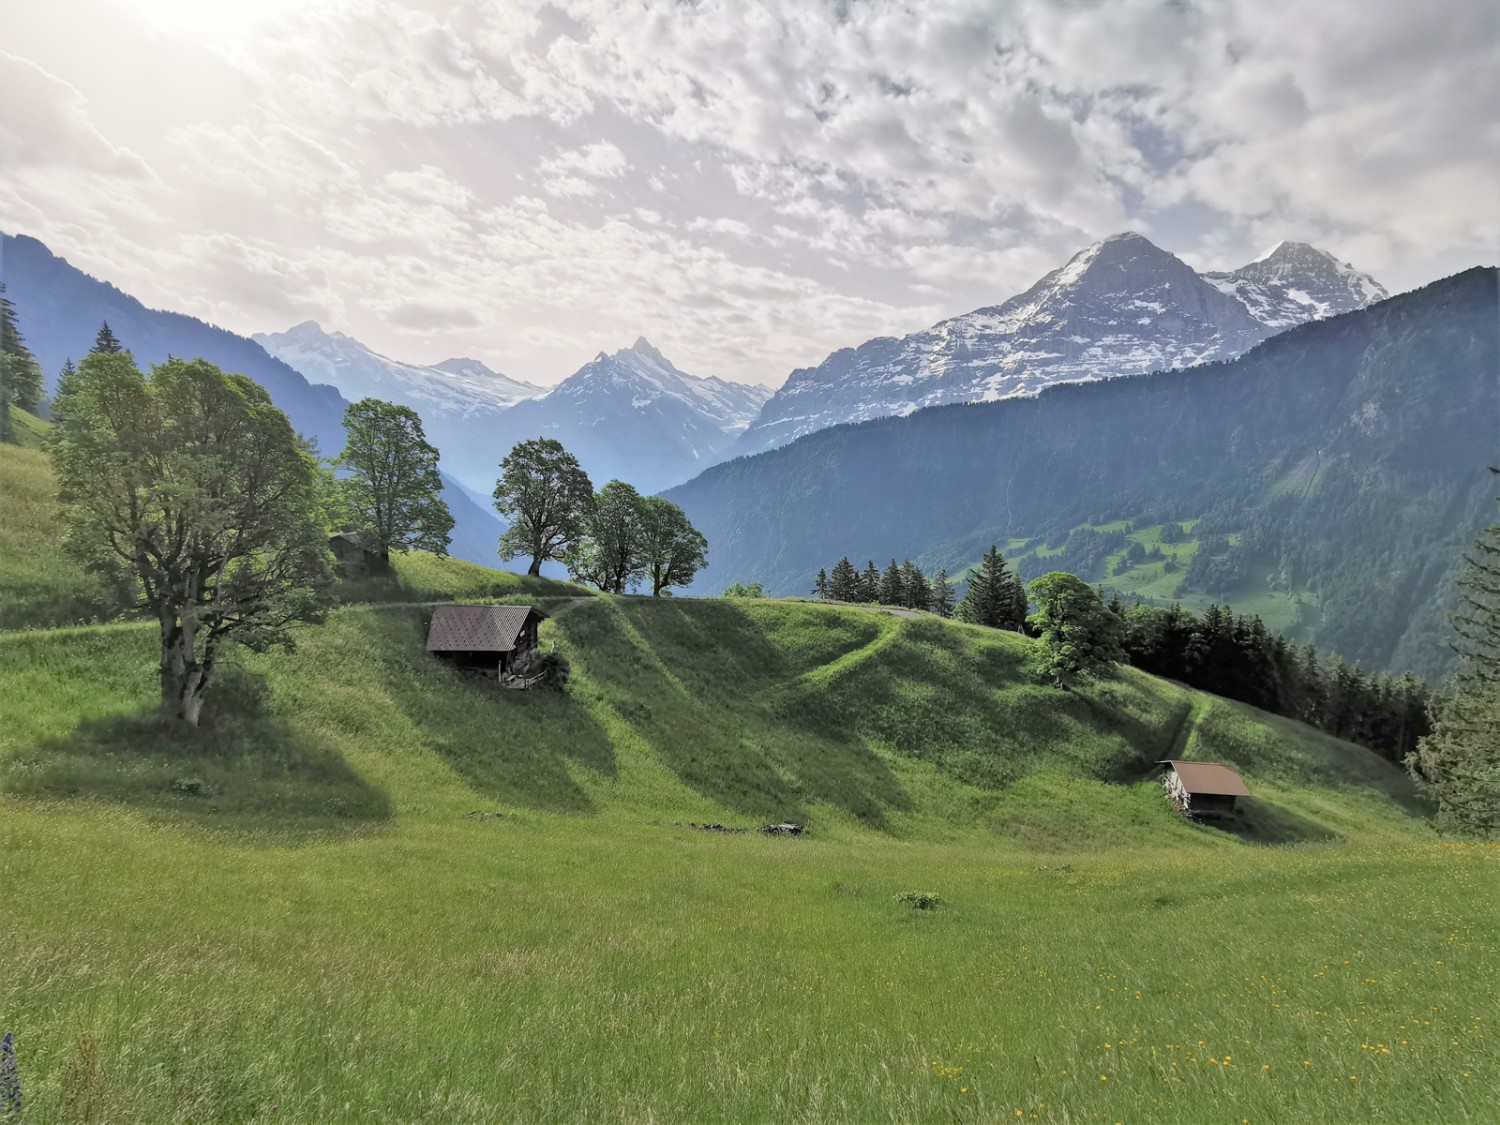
(632, 415)
(1121, 307)
(1293, 283)
(462, 387)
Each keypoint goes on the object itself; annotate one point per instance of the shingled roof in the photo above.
(1208, 778)
(478, 628)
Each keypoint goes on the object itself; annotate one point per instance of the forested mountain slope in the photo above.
(1345, 458)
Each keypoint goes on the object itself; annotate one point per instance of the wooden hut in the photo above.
(494, 639)
(1202, 789)
(353, 556)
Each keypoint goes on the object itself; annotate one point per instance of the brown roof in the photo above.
(1209, 778)
(478, 628)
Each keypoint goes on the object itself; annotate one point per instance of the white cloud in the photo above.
(529, 181)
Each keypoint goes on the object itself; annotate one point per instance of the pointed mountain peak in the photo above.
(1289, 251)
(643, 347)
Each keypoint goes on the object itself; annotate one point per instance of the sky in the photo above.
(749, 186)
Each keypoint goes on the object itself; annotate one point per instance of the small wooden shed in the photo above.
(1202, 789)
(354, 557)
(493, 639)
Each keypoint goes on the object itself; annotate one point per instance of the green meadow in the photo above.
(373, 888)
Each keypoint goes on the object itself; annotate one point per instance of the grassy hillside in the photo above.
(40, 586)
(373, 888)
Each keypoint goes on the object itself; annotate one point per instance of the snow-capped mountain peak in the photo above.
(1293, 282)
(1120, 306)
(453, 387)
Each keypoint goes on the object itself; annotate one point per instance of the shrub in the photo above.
(919, 900)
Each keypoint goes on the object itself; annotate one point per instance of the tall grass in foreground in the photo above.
(243, 950)
(549, 968)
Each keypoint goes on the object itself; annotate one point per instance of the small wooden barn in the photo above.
(1202, 789)
(494, 639)
(354, 557)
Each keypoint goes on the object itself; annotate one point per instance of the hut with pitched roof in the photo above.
(497, 640)
(1202, 789)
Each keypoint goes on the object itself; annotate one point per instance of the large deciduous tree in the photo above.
(671, 547)
(547, 497)
(1459, 761)
(192, 489)
(1079, 634)
(393, 490)
(611, 555)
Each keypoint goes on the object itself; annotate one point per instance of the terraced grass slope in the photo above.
(372, 887)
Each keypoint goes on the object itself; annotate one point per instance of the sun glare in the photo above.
(205, 17)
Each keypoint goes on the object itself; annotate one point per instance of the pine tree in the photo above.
(1459, 762)
(916, 592)
(105, 342)
(821, 585)
(995, 596)
(942, 601)
(890, 586)
(20, 374)
(843, 584)
(869, 584)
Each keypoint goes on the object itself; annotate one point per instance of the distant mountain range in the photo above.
(1123, 306)
(60, 308)
(630, 414)
(1345, 461)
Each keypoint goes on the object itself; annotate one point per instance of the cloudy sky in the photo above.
(749, 186)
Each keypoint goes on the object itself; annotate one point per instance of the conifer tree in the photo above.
(105, 342)
(916, 591)
(942, 601)
(20, 374)
(821, 585)
(890, 585)
(995, 596)
(843, 583)
(1459, 762)
(869, 583)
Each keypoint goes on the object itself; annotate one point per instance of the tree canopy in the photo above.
(673, 550)
(193, 490)
(393, 490)
(1079, 635)
(547, 497)
(611, 554)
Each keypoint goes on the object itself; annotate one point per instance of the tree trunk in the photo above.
(536, 566)
(184, 679)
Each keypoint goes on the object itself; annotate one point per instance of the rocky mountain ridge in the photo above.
(1122, 306)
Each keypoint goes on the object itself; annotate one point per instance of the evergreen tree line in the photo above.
(995, 595)
(900, 584)
(1236, 656)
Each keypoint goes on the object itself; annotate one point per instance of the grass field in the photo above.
(373, 888)
(40, 586)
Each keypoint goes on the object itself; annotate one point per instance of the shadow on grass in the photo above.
(511, 745)
(1261, 822)
(703, 686)
(241, 771)
(960, 701)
